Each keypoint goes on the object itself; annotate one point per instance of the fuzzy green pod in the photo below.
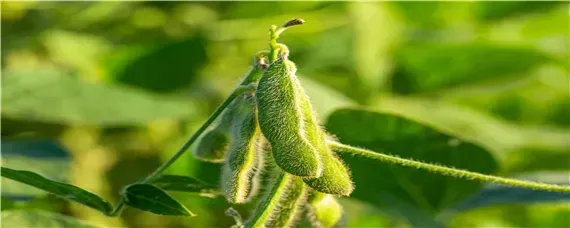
(282, 206)
(213, 145)
(284, 123)
(335, 178)
(240, 173)
(324, 211)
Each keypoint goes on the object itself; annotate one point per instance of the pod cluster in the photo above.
(276, 129)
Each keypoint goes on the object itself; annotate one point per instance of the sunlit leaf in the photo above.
(56, 97)
(63, 190)
(149, 198)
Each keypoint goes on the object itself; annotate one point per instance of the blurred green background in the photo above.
(98, 94)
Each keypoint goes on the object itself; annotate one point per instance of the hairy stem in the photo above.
(243, 87)
(447, 171)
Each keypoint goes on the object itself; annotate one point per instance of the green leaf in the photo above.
(323, 98)
(56, 97)
(149, 198)
(543, 159)
(42, 156)
(408, 139)
(180, 61)
(491, 11)
(502, 138)
(63, 190)
(183, 184)
(6, 204)
(413, 215)
(500, 194)
(432, 67)
(38, 218)
(373, 59)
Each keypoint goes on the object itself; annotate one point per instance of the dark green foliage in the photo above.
(491, 11)
(431, 67)
(149, 198)
(408, 139)
(183, 60)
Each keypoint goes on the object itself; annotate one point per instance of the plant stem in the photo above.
(243, 87)
(447, 171)
(273, 35)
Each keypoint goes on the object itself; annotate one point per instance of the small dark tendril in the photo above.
(293, 22)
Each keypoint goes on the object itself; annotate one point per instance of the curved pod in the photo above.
(284, 122)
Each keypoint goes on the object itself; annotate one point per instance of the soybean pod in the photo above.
(213, 145)
(284, 123)
(240, 173)
(282, 206)
(324, 211)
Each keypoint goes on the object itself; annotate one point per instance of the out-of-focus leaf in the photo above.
(77, 51)
(412, 214)
(6, 204)
(500, 137)
(324, 99)
(421, 14)
(66, 191)
(539, 99)
(40, 148)
(38, 218)
(491, 11)
(514, 215)
(543, 159)
(149, 198)
(49, 202)
(373, 59)
(42, 156)
(56, 97)
(235, 10)
(183, 184)
(499, 194)
(166, 68)
(431, 67)
(409, 139)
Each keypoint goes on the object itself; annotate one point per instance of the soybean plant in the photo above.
(267, 127)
